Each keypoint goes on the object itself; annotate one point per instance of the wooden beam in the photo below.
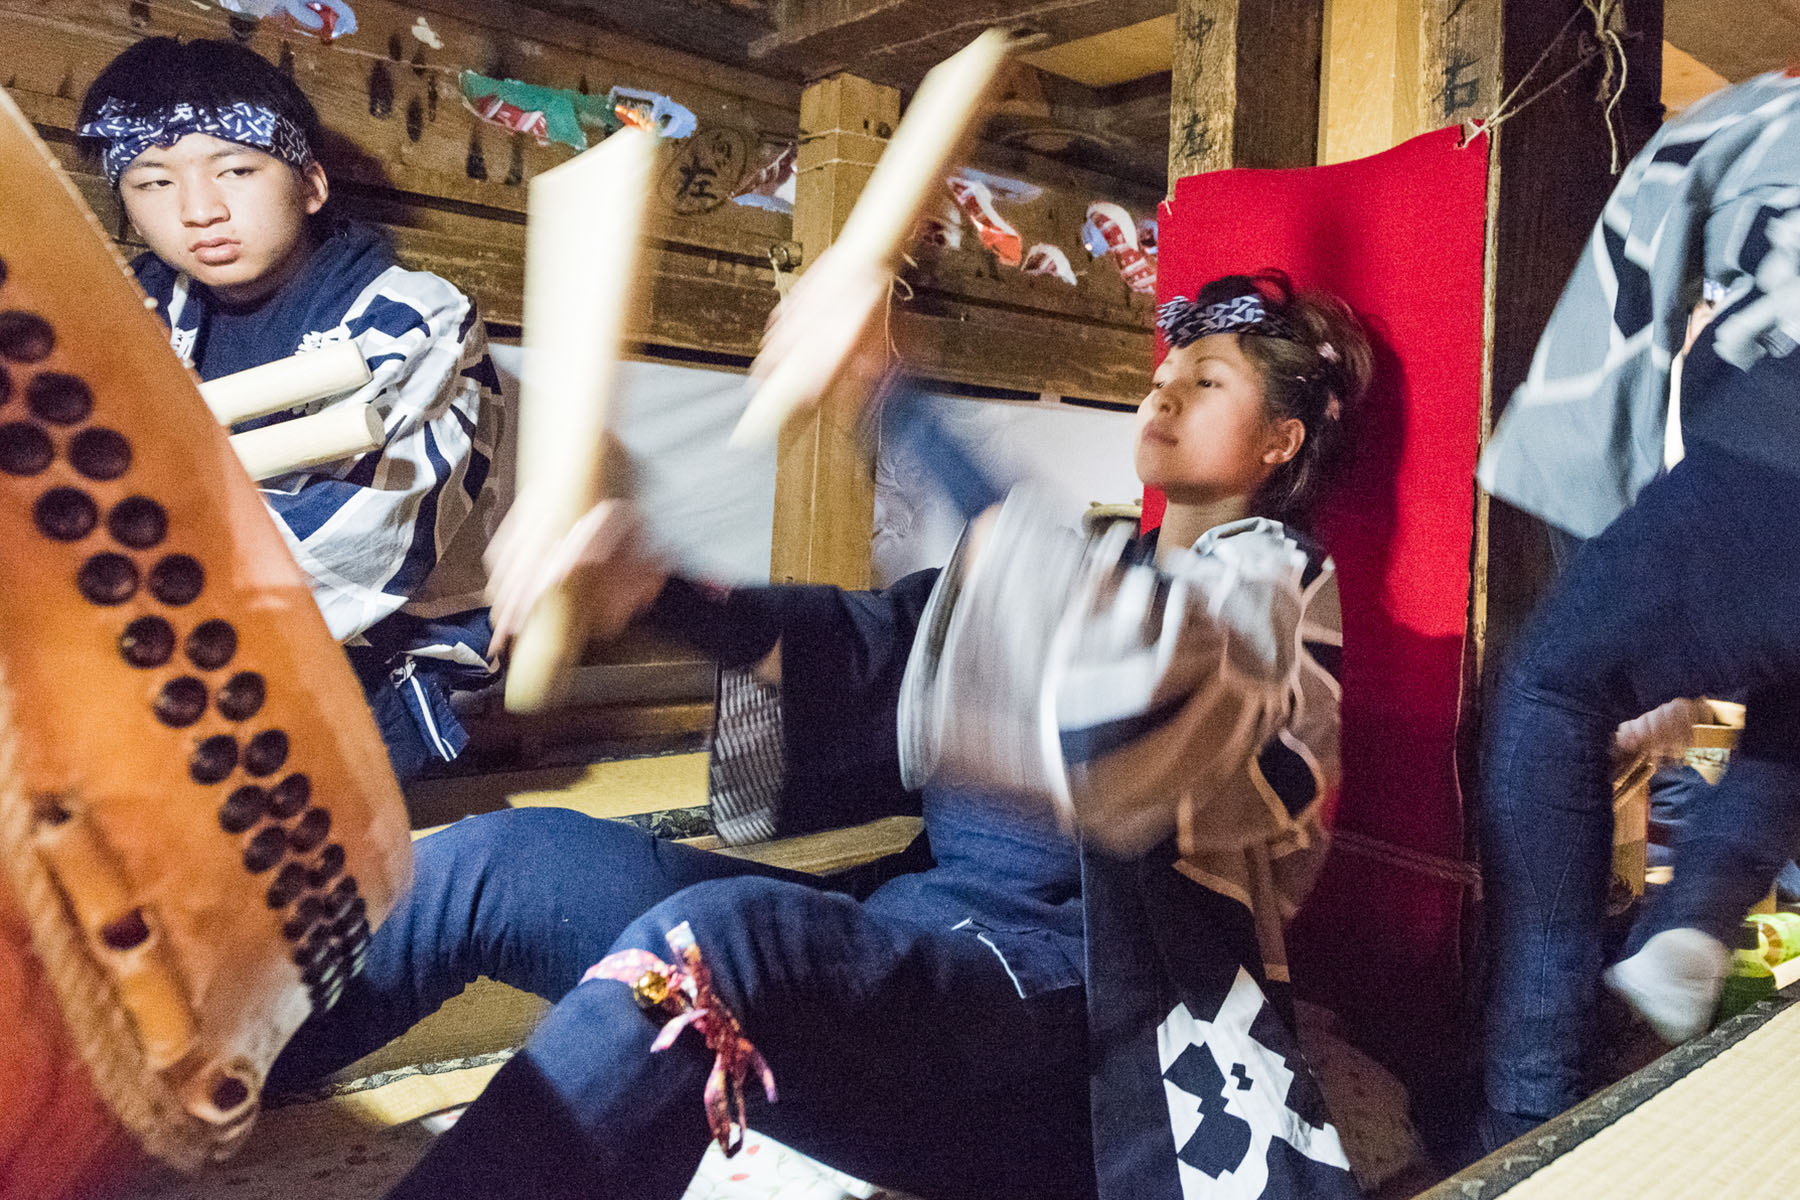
(719, 30)
(1114, 57)
(1245, 90)
(1121, 130)
(825, 473)
(896, 41)
(1736, 38)
(1552, 176)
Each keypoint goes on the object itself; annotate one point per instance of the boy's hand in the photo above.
(604, 553)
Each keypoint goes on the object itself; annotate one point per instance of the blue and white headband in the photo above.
(129, 134)
(1183, 322)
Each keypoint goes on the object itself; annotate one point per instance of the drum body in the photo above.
(198, 824)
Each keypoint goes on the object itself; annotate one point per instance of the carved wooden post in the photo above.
(824, 474)
(1245, 91)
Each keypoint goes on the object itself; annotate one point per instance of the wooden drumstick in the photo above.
(339, 432)
(583, 238)
(286, 383)
(937, 126)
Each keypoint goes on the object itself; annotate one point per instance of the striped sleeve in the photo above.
(1194, 699)
(1198, 698)
(368, 530)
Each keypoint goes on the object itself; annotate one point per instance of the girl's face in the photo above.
(1203, 434)
(231, 216)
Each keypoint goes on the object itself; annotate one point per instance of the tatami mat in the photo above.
(487, 1016)
(358, 1142)
(1729, 1129)
(1717, 1118)
(353, 1146)
(619, 788)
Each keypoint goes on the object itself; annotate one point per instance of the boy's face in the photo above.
(1203, 434)
(231, 216)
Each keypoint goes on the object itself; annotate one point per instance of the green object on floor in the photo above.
(1778, 935)
(1751, 977)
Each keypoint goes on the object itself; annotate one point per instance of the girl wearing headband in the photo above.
(1075, 983)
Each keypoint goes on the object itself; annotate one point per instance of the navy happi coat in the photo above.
(1181, 719)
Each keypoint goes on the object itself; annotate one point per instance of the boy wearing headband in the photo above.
(213, 153)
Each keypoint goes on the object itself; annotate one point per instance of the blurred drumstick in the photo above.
(802, 356)
(584, 234)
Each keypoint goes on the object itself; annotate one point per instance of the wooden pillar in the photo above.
(1245, 91)
(825, 473)
(1369, 96)
(1393, 69)
(1551, 177)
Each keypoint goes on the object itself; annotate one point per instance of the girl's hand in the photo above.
(981, 529)
(605, 552)
(830, 325)
(1664, 733)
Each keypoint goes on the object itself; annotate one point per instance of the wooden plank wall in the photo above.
(408, 154)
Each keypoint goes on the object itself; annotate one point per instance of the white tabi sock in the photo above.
(1673, 982)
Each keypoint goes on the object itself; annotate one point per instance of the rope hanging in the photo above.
(1607, 42)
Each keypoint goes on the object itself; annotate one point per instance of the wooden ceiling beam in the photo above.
(1122, 130)
(719, 30)
(1736, 38)
(896, 41)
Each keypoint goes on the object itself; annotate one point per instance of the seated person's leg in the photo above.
(1727, 853)
(1730, 849)
(407, 752)
(904, 1054)
(532, 897)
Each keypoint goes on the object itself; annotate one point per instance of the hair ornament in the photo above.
(1329, 352)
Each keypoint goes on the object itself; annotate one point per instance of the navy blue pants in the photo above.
(1694, 591)
(904, 1053)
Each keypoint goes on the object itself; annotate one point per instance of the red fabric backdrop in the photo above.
(1399, 236)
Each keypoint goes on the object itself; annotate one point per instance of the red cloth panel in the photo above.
(1399, 236)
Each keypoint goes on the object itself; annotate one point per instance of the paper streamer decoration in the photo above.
(565, 115)
(1399, 236)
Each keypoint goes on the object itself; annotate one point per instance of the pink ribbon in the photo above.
(684, 990)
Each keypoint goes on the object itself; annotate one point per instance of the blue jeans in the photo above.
(907, 1053)
(1694, 591)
